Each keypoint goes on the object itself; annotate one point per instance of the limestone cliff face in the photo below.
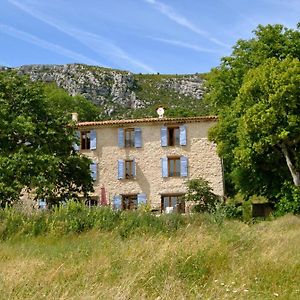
(117, 90)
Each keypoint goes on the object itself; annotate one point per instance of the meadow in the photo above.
(77, 253)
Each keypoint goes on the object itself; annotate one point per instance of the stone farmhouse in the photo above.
(148, 161)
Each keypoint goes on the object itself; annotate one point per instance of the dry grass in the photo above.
(234, 261)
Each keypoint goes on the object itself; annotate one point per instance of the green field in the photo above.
(195, 258)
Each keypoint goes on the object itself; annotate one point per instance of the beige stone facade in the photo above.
(199, 153)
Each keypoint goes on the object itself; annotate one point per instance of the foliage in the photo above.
(289, 199)
(255, 92)
(200, 192)
(64, 104)
(36, 152)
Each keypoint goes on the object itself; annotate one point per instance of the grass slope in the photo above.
(199, 260)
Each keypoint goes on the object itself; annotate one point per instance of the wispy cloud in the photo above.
(97, 43)
(186, 45)
(183, 21)
(12, 31)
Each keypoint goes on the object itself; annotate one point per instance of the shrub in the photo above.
(200, 192)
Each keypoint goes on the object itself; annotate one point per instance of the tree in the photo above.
(255, 93)
(36, 146)
(59, 100)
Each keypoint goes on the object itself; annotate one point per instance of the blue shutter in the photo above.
(138, 137)
(117, 202)
(183, 166)
(93, 137)
(76, 144)
(133, 168)
(93, 169)
(42, 204)
(121, 166)
(121, 137)
(142, 199)
(164, 136)
(164, 166)
(182, 135)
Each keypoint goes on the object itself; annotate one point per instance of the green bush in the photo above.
(200, 193)
(289, 199)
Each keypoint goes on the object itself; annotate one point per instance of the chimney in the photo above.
(75, 116)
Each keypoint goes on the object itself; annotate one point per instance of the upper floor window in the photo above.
(173, 135)
(126, 169)
(85, 140)
(174, 166)
(130, 137)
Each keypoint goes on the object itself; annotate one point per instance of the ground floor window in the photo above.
(92, 202)
(172, 203)
(129, 202)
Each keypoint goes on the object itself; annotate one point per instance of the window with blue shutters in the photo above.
(174, 166)
(93, 139)
(126, 169)
(130, 137)
(173, 136)
(93, 169)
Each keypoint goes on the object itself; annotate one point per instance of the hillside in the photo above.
(124, 94)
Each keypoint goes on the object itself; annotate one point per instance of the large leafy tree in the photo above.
(36, 146)
(255, 93)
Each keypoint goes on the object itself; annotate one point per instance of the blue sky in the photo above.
(142, 36)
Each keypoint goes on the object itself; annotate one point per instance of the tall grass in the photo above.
(76, 218)
(121, 255)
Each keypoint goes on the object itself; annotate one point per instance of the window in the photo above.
(126, 169)
(129, 202)
(130, 137)
(173, 136)
(129, 169)
(85, 140)
(173, 166)
(171, 203)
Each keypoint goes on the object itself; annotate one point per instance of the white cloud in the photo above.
(183, 21)
(186, 45)
(45, 44)
(95, 42)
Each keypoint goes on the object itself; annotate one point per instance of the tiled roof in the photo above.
(113, 123)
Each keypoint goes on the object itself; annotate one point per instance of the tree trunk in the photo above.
(295, 174)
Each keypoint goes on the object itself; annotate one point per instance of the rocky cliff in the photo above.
(120, 92)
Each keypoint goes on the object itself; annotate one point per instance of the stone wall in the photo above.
(202, 161)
